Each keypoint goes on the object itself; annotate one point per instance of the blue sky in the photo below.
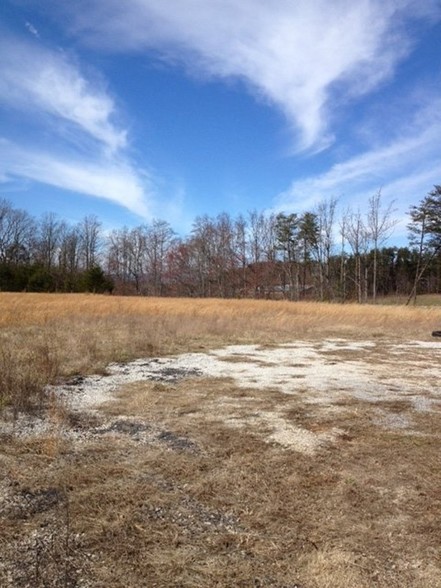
(172, 109)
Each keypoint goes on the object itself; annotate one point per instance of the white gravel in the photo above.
(316, 372)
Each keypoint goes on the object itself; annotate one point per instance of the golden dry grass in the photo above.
(48, 336)
(259, 315)
(195, 502)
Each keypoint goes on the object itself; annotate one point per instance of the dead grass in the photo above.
(226, 508)
(228, 315)
(58, 335)
(184, 484)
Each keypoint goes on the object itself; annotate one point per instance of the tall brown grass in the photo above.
(45, 337)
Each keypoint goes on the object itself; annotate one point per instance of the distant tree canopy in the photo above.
(48, 255)
(313, 255)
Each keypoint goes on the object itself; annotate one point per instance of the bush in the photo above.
(41, 280)
(95, 280)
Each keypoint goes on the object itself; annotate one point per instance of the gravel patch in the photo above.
(314, 372)
(295, 368)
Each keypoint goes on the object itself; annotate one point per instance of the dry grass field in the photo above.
(255, 444)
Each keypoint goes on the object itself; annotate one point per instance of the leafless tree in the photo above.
(380, 225)
(159, 239)
(325, 214)
(90, 240)
(127, 259)
(48, 240)
(262, 250)
(69, 249)
(343, 256)
(17, 229)
(357, 236)
(240, 251)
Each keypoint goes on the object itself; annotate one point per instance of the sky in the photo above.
(172, 109)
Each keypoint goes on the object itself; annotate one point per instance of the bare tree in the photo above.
(137, 255)
(90, 240)
(225, 258)
(256, 235)
(48, 240)
(262, 250)
(358, 238)
(325, 215)
(380, 225)
(343, 256)
(182, 274)
(202, 247)
(240, 251)
(17, 229)
(69, 250)
(159, 239)
(127, 258)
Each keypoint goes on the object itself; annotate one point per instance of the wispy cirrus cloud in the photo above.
(73, 140)
(303, 57)
(102, 178)
(35, 79)
(404, 169)
(32, 29)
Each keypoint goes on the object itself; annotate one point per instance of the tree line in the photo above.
(315, 255)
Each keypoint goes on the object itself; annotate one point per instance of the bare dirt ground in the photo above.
(311, 464)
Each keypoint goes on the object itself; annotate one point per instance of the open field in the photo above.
(255, 444)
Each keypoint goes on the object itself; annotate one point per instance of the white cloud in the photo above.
(35, 79)
(381, 168)
(32, 29)
(292, 54)
(404, 169)
(81, 150)
(107, 178)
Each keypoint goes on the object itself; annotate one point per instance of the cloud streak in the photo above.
(35, 79)
(32, 29)
(82, 149)
(105, 178)
(297, 56)
(404, 169)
